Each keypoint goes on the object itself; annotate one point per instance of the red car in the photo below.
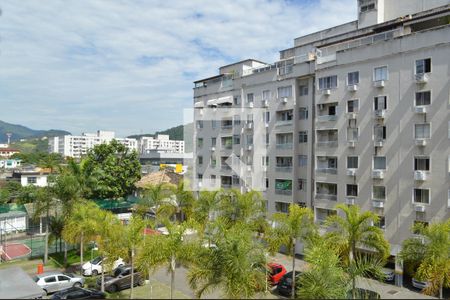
(276, 272)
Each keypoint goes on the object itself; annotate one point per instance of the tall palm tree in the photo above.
(204, 210)
(56, 226)
(235, 206)
(235, 266)
(184, 201)
(288, 229)
(356, 230)
(431, 252)
(157, 199)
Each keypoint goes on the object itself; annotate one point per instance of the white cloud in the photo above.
(129, 65)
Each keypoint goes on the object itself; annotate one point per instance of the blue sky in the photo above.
(128, 65)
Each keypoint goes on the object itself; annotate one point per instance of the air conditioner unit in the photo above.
(421, 142)
(352, 115)
(249, 168)
(249, 125)
(380, 113)
(265, 103)
(351, 144)
(321, 106)
(420, 109)
(266, 125)
(249, 147)
(350, 201)
(419, 208)
(284, 100)
(352, 88)
(213, 148)
(379, 143)
(421, 78)
(250, 104)
(377, 174)
(420, 175)
(377, 204)
(326, 92)
(351, 172)
(379, 83)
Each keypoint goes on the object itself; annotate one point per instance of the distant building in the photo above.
(160, 143)
(32, 176)
(10, 163)
(8, 152)
(77, 146)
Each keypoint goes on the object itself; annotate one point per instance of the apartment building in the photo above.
(77, 146)
(161, 143)
(356, 114)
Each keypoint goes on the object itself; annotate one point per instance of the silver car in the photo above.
(52, 282)
(419, 284)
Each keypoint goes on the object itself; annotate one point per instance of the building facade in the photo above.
(161, 143)
(356, 114)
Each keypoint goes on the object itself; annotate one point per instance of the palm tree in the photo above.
(355, 230)
(205, 207)
(168, 250)
(56, 225)
(236, 265)
(81, 224)
(184, 201)
(288, 229)
(157, 199)
(431, 252)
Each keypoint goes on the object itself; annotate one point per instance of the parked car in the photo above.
(94, 267)
(389, 274)
(78, 293)
(284, 287)
(121, 279)
(419, 284)
(276, 272)
(56, 281)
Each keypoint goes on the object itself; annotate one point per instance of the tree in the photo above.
(204, 208)
(56, 226)
(50, 161)
(115, 169)
(288, 229)
(168, 250)
(156, 199)
(431, 252)
(81, 225)
(355, 230)
(235, 265)
(184, 202)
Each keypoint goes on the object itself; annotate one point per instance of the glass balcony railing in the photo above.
(284, 146)
(327, 170)
(283, 168)
(283, 192)
(322, 196)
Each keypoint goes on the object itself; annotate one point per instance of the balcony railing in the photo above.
(327, 170)
(328, 143)
(226, 185)
(227, 127)
(283, 168)
(284, 146)
(326, 196)
(283, 192)
(283, 122)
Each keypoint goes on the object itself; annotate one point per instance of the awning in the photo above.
(199, 104)
(223, 100)
(212, 102)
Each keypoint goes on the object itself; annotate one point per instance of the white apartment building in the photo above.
(160, 143)
(77, 146)
(356, 114)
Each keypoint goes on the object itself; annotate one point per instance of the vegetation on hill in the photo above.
(175, 133)
(31, 145)
(22, 132)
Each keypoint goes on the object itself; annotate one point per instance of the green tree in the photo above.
(10, 191)
(156, 198)
(288, 229)
(235, 265)
(205, 207)
(183, 202)
(355, 230)
(50, 160)
(431, 252)
(115, 169)
(56, 226)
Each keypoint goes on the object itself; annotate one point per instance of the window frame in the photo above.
(373, 162)
(414, 196)
(422, 138)
(422, 59)
(357, 161)
(352, 100)
(422, 157)
(380, 67)
(303, 137)
(421, 92)
(348, 78)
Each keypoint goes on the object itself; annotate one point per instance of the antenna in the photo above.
(9, 135)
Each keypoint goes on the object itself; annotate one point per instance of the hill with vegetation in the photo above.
(21, 132)
(175, 133)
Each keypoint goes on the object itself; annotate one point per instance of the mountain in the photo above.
(175, 133)
(22, 132)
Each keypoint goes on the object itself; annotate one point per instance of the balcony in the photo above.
(379, 83)
(421, 142)
(332, 143)
(321, 196)
(284, 123)
(284, 146)
(351, 144)
(380, 113)
(326, 118)
(227, 126)
(283, 192)
(283, 169)
(352, 88)
(378, 204)
(350, 200)
(377, 174)
(327, 170)
(420, 109)
(421, 78)
(420, 175)
(351, 172)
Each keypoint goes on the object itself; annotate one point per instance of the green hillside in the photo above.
(175, 133)
(22, 132)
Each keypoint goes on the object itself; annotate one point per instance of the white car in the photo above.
(419, 284)
(389, 274)
(94, 267)
(52, 282)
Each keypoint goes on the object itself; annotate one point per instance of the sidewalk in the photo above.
(386, 291)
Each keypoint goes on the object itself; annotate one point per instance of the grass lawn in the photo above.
(158, 291)
(73, 258)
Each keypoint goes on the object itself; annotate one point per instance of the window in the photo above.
(200, 160)
(213, 141)
(200, 176)
(199, 124)
(381, 222)
(213, 161)
(329, 82)
(352, 190)
(267, 138)
(423, 66)
(266, 95)
(379, 162)
(50, 279)
(285, 92)
(235, 180)
(303, 113)
(421, 196)
(380, 73)
(301, 184)
(249, 139)
(302, 160)
(250, 98)
(379, 192)
(353, 78)
(200, 142)
(353, 106)
(380, 103)
(379, 133)
(303, 90)
(422, 131)
(286, 115)
(367, 5)
(31, 180)
(423, 98)
(266, 116)
(352, 134)
(237, 120)
(421, 164)
(237, 100)
(213, 124)
(352, 162)
(282, 207)
(236, 139)
(213, 179)
(303, 137)
(63, 278)
(265, 160)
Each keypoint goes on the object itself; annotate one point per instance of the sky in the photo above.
(129, 65)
